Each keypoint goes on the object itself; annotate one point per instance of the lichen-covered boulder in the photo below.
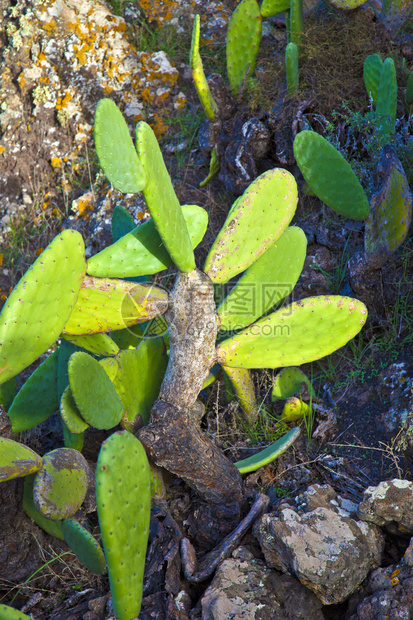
(391, 504)
(320, 543)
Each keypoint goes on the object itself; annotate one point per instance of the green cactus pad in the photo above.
(129, 338)
(291, 67)
(204, 94)
(243, 40)
(98, 344)
(269, 454)
(289, 382)
(123, 496)
(60, 487)
(346, 5)
(72, 440)
(390, 214)
(296, 22)
(386, 108)
(162, 201)
(122, 223)
(212, 375)
(70, 413)
(66, 349)
(86, 548)
(17, 460)
(104, 305)
(213, 168)
(139, 378)
(270, 8)
(256, 220)
(37, 400)
(9, 613)
(8, 391)
(243, 386)
(371, 74)
(93, 391)
(39, 306)
(111, 367)
(266, 283)
(142, 252)
(330, 176)
(54, 528)
(299, 333)
(115, 150)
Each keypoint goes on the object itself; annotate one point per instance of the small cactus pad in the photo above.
(122, 223)
(104, 305)
(371, 73)
(86, 548)
(270, 8)
(243, 386)
(93, 391)
(330, 176)
(8, 391)
(139, 379)
(39, 306)
(204, 94)
(53, 528)
(162, 201)
(70, 413)
(302, 332)
(72, 440)
(291, 67)
(213, 168)
(243, 40)
(115, 149)
(123, 496)
(60, 487)
(289, 382)
(17, 460)
(9, 613)
(142, 252)
(294, 409)
(269, 454)
(37, 400)
(98, 344)
(390, 208)
(111, 367)
(256, 220)
(296, 22)
(386, 108)
(66, 349)
(266, 283)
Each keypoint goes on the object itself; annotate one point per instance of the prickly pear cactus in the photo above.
(40, 305)
(291, 68)
(390, 214)
(115, 149)
(9, 613)
(270, 8)
(289, 382)
(257, 219)
(243, 386)
(86, 548)
(243, 40)
(386, 108)
(371, 73)
(268, 455)
(123, 495)
(294, 409)
(98, 344)
(60, 487)
(54, 528)
(296, 22)
(299, 333)
(17, 460)
(198, 75)
(330, 176)
(70, 413)
(347, 5)
(122, 223)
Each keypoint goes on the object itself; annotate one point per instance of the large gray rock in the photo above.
(245, 589)
(390, 504)
(320, 543)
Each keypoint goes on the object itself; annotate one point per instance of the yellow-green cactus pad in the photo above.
(162, 201)
(70, 413)
(243, 40)
(105, 305)
(204, 94)
(37, 400)
(270, 8)
(142, 252)
(111, 367)
(123, 497)
(39, 306)
(86, 548)
(139, 378)
(9, 613)
(115, 149)
(256, 220)
(289, 382)
(266, 283)
(93, 391)
(17, 460)
(268, 455)
(347, 5)
(294, 409)
(98, 344)
(60, 487)
(54, 528)
(299, 333)
(330, 176)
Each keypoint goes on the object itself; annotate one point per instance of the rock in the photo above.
(389, 592)
(245, 589)
(320, 543)
(390, 503)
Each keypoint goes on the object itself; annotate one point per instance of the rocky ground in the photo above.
(332, 537)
